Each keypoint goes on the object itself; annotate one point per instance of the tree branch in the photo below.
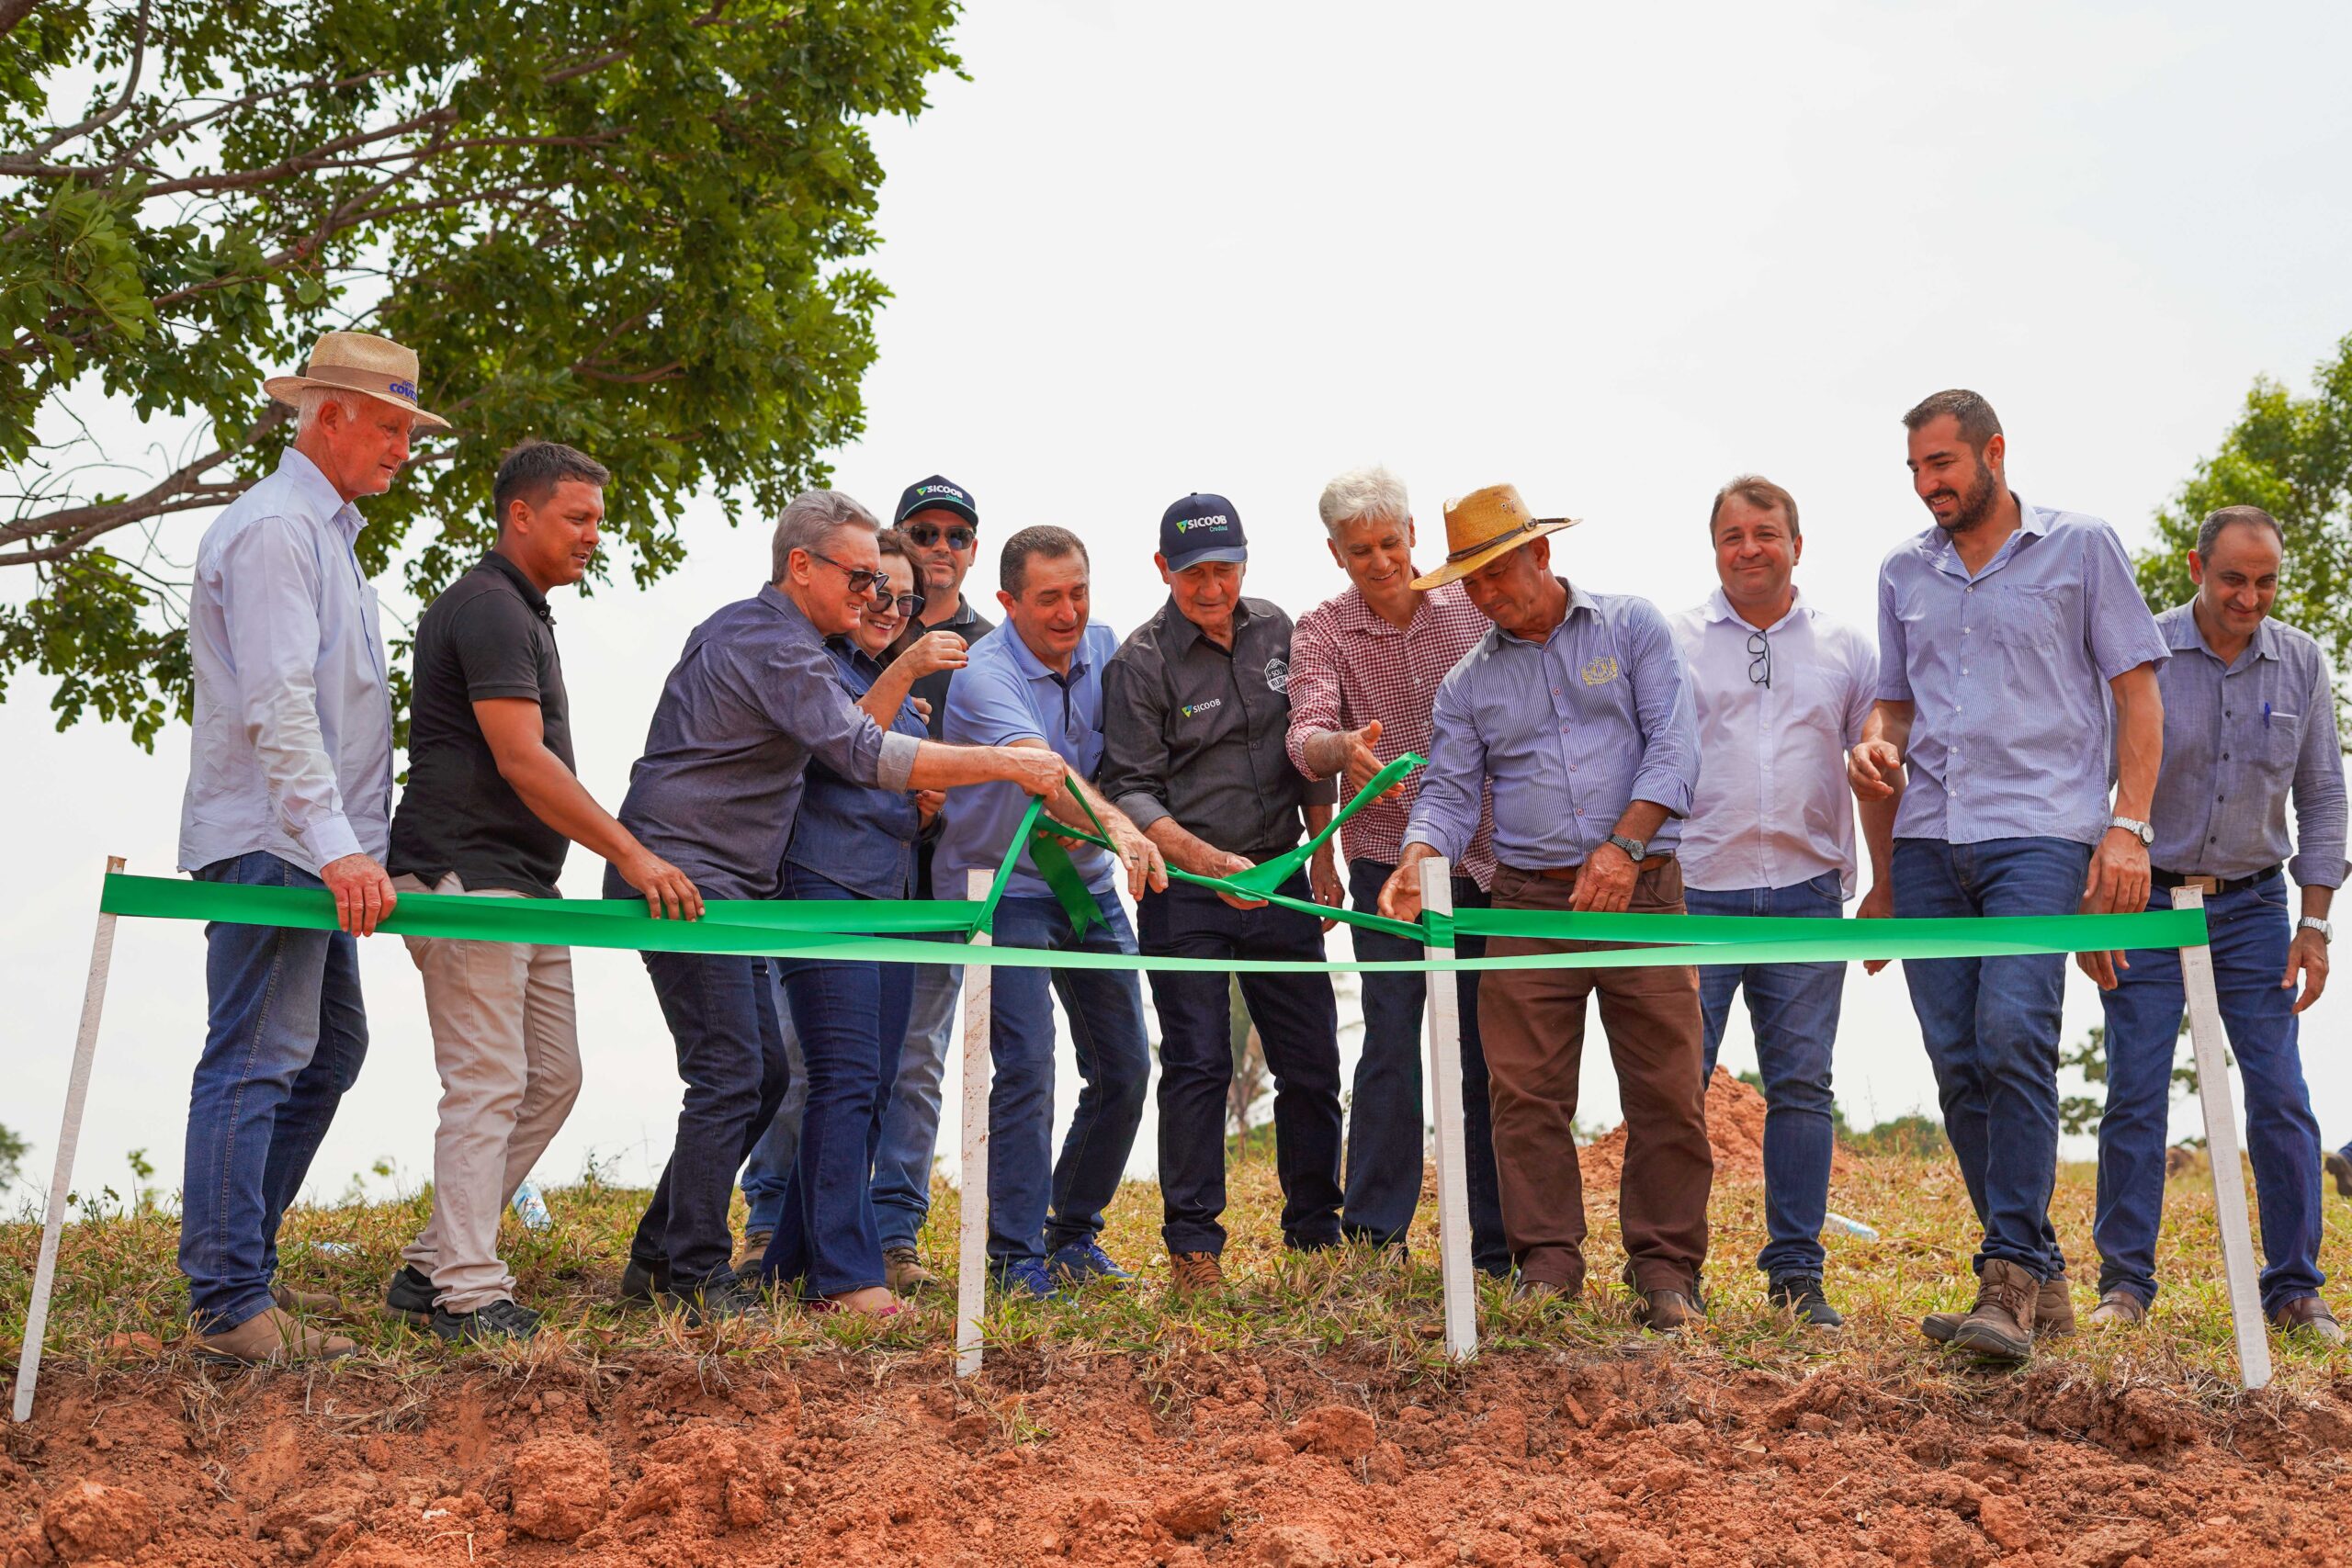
(183, 490)
(15, 11)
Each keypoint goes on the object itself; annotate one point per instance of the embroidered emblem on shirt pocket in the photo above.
(1599, 671)
(1278, 674)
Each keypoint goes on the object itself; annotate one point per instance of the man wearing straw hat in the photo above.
(290, 785)
(1575, 710)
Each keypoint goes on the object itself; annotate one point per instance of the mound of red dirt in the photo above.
(1735, 1131)
(1635, 1457)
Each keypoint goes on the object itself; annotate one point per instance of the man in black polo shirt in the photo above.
(490, 810)
(1196, 717)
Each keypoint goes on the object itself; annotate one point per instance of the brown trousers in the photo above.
(1532, 1021)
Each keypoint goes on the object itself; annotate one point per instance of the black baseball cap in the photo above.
(1201, 528)
(937, 493)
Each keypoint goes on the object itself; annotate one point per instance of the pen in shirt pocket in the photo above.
(2265, 716)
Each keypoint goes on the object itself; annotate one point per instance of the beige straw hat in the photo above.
(1484, 525)
(359, 362)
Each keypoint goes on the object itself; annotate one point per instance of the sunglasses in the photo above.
(909, 605)
(1759, 662)
(862, 579)
(959, 537)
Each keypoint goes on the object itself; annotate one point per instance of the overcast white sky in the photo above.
(1611, 255)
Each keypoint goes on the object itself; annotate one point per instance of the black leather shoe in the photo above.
(1800, 1293)
(721, 1296)
(644, 1284)
(409, 1294)
(487, 1324)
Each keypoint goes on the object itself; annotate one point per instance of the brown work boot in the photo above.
(904, 1273)
(748, 1253)
(271, 1339)
(318, 1304)
(2116, 1309)
(2308, 1316)
(2339, 1169)
(1999, 1327)
(1669, 1310)
(2054, 1313)
(1195, 1274)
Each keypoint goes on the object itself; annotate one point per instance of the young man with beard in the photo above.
(2004, 631)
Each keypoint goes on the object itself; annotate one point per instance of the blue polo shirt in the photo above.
(1002, 695)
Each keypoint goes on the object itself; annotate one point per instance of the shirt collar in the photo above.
(1182, 634)
(1036, 669)
(2182, 634)
(1719, 609)
(963, 616)
(311, 483)
(775, 598)
(1578, 600)
(538, 601)
(2032, 525)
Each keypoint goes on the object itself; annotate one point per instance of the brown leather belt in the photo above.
(1570, 873)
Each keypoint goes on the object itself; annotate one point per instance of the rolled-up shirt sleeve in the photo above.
(1667, 714)
(1453, 785)
(1314, 689)
(269, 601)
(1134, 744)
(2319, 790)
(1893, 657)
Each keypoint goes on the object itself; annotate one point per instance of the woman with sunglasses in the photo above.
(850, 842)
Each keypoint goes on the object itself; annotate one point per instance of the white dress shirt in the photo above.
(1772, 808)
(291, 750)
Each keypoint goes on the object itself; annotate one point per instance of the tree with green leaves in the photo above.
(2292, 457)
(629, 225)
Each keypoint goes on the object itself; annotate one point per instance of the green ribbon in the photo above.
(844, 931)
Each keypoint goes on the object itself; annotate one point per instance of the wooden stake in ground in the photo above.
(972, 1208)
(69, 1135)
(2219, 1106)
(1444, 1034)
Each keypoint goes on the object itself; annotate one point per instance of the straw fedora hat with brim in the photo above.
(359, 362)
(1483, 525)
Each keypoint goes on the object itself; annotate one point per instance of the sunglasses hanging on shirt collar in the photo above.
(1760, 664)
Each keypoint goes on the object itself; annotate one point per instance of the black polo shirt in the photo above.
(1194, 732)
(489, 635)
(971, 625)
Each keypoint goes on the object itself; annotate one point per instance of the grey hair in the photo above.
(2209, 531)
(1366, 495)
(809, 521)
(309, 400)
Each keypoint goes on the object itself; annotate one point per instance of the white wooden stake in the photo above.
(972, 1210)
(2213, 1097)
(68, 1136)
(1445, 1033)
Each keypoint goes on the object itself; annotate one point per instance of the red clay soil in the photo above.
(1734, 1131)
(1632, 1461)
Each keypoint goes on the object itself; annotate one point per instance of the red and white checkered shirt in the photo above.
(1348, 666)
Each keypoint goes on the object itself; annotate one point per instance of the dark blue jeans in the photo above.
(769, 1170)
(1298, 1025)
(1991, 1027)
(285, 1033)
(1794, 1008)
(849, 1019)
(722, 1012)
(1038, 1204)
(2251, 931)
(1385, 1126)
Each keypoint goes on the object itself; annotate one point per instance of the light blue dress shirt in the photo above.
(291, 749)
(1004, 694)
(2012, 735)
(2239, 740)
(1570, 731)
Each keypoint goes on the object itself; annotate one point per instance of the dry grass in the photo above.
(119, 1301)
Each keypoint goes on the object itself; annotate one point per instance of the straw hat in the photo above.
(359, 362)
(1484, 525)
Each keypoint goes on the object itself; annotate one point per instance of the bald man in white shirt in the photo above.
(1782, 690)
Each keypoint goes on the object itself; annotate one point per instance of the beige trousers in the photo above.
(507, 1044)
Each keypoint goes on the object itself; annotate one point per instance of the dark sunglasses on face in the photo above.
(862, 579)
(909, 605)
(959, 537)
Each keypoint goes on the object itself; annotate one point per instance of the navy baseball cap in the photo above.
(1201, 528)
(936, 492)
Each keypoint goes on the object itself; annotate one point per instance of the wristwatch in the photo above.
(2138, 830)
(2314, 923)
(1635, 849)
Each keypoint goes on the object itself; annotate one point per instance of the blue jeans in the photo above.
(850, 1018)
(285, 1033)
(2251, 931)
(911, 1118)
(769, 1170)
(1794, 1009)
(1991, 1027)
(1383, 1180)
(1038, 1204)
(722, 1016)
(1298, 1026)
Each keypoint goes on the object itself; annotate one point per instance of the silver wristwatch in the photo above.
(1635, 849)
(2140, 830)
(2314, 923)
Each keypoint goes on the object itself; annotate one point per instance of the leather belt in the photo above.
(2212, 886)
(1570, 873)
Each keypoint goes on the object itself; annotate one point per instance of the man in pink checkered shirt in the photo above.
(1364, 675)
